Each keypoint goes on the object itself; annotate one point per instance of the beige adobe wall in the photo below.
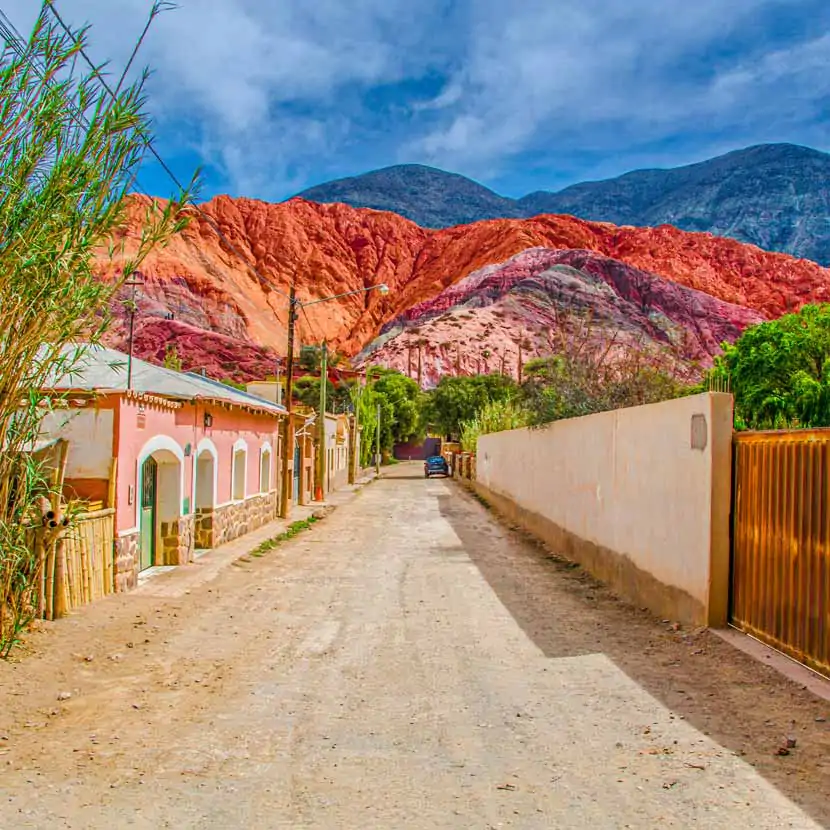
(639, 496)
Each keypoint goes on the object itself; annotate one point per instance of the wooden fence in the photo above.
(79, 567)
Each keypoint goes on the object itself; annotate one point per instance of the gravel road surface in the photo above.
(406, 663)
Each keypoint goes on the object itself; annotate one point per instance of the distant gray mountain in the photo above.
(776, 196)
(432, 198)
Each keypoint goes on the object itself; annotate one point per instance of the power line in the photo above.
(15, 40)
(147, 141)
(311, 326)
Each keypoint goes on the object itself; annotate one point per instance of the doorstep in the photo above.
(155, 570)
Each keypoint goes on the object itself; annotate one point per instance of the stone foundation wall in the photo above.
(203, 528)
(224, 524)
(176, 541)
(126, 562)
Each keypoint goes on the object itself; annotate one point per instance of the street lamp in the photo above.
(295, 306)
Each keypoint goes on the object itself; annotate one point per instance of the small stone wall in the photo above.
(203, 528)
(176, 541)
(126, 562)
(224, 524)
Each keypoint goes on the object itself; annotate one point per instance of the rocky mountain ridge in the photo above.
(516, 310)
(776, 196)
(198, 284)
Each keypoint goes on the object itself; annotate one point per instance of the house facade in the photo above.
(342, 451)
(186, 462)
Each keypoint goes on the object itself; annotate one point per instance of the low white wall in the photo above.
(641, 496)
(89, 433)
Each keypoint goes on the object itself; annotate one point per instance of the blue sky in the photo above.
(271, 96)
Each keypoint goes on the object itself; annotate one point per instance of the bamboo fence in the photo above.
(79, 565)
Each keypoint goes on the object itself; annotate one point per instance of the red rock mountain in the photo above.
(492, 318)
(330, 249)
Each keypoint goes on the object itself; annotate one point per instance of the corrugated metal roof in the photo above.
(98, 369)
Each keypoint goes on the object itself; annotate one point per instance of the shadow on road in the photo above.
(745, 706)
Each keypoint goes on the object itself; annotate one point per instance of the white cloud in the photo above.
(234, 68)
(274, 92)
(588, 75)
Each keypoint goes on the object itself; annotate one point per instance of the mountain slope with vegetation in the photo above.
(199, 283)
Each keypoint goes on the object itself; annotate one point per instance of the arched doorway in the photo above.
(160, 503)
(149, 527)
(204, 498)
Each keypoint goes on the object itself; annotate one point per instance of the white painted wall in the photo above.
(89, 432)
(629, 481)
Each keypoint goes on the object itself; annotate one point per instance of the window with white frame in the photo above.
(240, 469)
(265, 467)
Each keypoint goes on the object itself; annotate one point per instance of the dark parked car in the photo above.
(436, 466)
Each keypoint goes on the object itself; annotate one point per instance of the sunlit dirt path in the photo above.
(407, 663)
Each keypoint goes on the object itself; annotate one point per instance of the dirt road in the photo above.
(408, 663)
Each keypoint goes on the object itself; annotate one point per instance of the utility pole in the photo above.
(278, 377)
(377, 455)
(420, 366)
(132, 307)
(286, 495)
(322, 451)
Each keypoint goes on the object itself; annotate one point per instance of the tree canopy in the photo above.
(779, 371)
(570, 385)
(457, 400)
(307, 391)
(69, 155)
(399, 399)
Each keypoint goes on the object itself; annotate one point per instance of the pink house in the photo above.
(188, 463)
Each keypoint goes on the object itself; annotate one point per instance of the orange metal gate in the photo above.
(781, 541)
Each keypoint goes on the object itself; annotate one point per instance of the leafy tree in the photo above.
(172, 359)
(307, 391)
(403, 394)
(399, 399)
(457, 400)
(591, 371)
(366, 401)
(495, 416)
(779, 371)
(570, 385)
(69, 153)
(234, 384)
(311, 359)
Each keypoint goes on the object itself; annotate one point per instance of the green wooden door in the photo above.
(149, 479)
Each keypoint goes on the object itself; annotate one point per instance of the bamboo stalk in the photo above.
(59, 598)
(109, 558)
(111, 491)
(63, 557)
(86, 564)
(40, 553)
(97, 514)
(60, 472)
(96, 560)
(50, 580)
(94, 566)
(108, 554)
